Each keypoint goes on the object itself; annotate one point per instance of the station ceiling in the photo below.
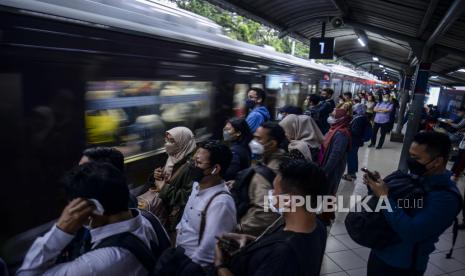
(395, 31)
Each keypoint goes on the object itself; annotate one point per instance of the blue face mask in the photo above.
(250, 104)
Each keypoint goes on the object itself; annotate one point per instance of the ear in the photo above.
(274, 143)
(216, 169)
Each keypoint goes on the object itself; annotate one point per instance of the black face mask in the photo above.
(417, 168)
(197, 173)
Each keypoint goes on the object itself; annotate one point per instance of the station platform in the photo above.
(345, 257)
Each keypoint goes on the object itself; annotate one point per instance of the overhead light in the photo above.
(361, 42)
(385, 73)
(381, 66)
(375, 58)
(433, 77)
(461, 70)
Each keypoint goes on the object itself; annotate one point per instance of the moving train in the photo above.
(75, 74)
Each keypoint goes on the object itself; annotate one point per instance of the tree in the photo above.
(243, 29)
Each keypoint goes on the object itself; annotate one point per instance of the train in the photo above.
(75, 74)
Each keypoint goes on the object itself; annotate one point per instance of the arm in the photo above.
(235, 165)
(460, 125)
(338, 149)
(220, 219)
(254, 120)
(437, 214)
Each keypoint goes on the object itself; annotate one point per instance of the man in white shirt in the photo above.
(99, 196)
(209, 204)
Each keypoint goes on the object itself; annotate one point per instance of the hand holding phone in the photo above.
(228, 246)
(373, 175)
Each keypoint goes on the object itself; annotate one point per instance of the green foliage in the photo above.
(243, 29)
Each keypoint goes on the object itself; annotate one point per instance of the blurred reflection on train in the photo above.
(131, 115)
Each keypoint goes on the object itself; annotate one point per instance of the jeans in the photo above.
(384, 130)
(352, 160)
(377, 267)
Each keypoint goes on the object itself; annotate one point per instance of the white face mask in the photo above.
(272, 199)
(256, 147)
(280, 117)
(331, 120)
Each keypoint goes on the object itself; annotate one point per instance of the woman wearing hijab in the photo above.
(336, 145)
(237, 133)
(358, 129)
(305, 138)
(171, 184)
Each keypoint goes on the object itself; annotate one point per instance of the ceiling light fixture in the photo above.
(375, 59)
(361, 42)
(461, 70)
(381, 66)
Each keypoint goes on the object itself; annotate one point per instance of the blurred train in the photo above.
(75, 74)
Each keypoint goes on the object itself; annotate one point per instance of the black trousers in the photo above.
(384, 130)
(376, 267)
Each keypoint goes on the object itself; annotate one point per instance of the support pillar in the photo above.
(419, 90)
(397, 135)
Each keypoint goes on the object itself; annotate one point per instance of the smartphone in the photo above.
(370, 174)
(228, 246)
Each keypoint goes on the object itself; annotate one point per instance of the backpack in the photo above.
(370, 229)
(240, 190)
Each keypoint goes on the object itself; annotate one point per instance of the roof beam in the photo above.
(341, 5)
(453, 13)
(344, 54)
(300, 24)
(427, 17)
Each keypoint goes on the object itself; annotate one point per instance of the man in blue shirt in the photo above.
(258, 114)
(326, 108)
(418, 228)
(382, 120)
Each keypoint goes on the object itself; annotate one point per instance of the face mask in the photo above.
(385, 100)
(227, 136)
(171, 148)
(197, 173)
(280, 117)
(417, 168)
(256, 147)
(331, 120)
(250, 104)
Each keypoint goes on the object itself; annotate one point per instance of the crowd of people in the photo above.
(204, 213)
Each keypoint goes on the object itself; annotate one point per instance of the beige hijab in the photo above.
(303, 133)
(184, 139)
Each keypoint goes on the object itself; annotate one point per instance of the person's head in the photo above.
(371, 98)
(327, 93)
(237, 130)
(357, 100)
(386, 97)
(461, 112)
(267, 139)
(179, 141)
(102, 182)
(103, 154)
(359, 109)
(314, 100)
(429, 153)
(288, 109)
(211, 161)
(347, 96)
(300, 178)
(255, 97)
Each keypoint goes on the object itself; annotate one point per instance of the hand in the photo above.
(75, 214)
(158, 174)
(219, 258)
(378, 186)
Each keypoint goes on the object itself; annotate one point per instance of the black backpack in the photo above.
(240, 190)
(370, 229)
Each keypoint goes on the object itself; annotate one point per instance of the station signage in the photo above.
(322, 48)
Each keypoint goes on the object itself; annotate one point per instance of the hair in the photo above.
(100, 181)
(314, 99)
(106, 154)
(348, 94)
(291, 109)
(219, 154)
(437, 144)
(260, 93)
(461, 109)
(329, 91)
(305, 178)
(276, 132)
(240, 124)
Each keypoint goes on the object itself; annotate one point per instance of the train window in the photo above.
(288, 94)
(134, 115)
(240, 95)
